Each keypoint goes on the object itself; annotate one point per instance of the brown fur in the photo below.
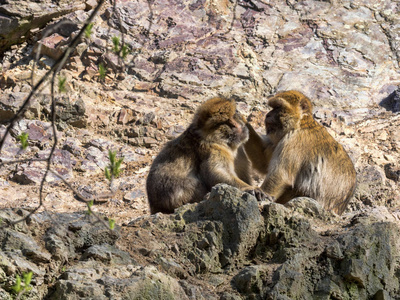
(208, 152)
(300, 157)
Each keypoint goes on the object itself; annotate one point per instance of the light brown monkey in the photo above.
(208, 152)
(300, 157)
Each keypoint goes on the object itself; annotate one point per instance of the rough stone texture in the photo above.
(240, 248)
(343, 54)
(19, 17)
(322, 48)
(10, 104)
(234, 223)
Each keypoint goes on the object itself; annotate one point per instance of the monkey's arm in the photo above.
(219, 168)
(259, 149)
(274, 185)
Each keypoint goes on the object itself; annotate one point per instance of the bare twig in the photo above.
(60, 62)
(57, 66)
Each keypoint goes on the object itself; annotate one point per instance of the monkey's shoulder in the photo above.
(313, 141)
(183, 147)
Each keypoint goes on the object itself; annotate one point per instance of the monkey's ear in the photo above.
(278, 102)
(305, 105)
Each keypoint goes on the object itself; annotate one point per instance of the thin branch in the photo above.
(81, 198)
(57, 66)
(3, 163)
(54, 70)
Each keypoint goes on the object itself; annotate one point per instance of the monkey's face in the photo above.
(240, 132)
(231, 131)
(274, 126)
(218, 121)
(283, 117)
(288, 110)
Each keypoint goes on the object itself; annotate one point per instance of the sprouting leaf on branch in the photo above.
(17, 286)
(88, 30)
(124, 51)
(107, 173)
(115, 41)
(23, 138)
(21, 287)
(61, 84)
(27, 280)
(102, 72)
(89, 205)
(113, 169)
(111, 222)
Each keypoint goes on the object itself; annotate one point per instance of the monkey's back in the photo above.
(327, 173)
(173, 178)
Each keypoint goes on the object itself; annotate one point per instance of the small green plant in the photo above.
(113, 169)
(111, 223)
(23, 138)
(116, 47)
(115, 41)
(102, 72)
(124, 51)
(89, 205)
(20, 287)
(88, 30)
(61, 84)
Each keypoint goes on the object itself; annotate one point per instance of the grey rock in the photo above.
(88, 235)
(235, 225)
(19, 17)
(11, 103)
(101, 144)
(72, 289)
(74, 146)
(392, 172)
(250, 280)
(107, 254)
(24, 265)
(13, 240)
(73, 113)
(307, 206)
(95, 155)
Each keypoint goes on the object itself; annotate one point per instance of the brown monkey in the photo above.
(300, 157)
(208, 152)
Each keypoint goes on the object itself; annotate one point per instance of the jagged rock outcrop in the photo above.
(242, 248)
(19, 19)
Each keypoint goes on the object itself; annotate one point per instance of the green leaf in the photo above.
(115, 41)
(102, 72)
(111, 223)
(124, 51)
(23, 138)
(27, 278)
(61, 84)
(17, 286)
(107, 173)
(113, 169)
(88, 30)
(89, 205)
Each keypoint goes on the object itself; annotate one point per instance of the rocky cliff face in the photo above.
(344, 55)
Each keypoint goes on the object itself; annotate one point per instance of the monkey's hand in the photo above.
(258, 193)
